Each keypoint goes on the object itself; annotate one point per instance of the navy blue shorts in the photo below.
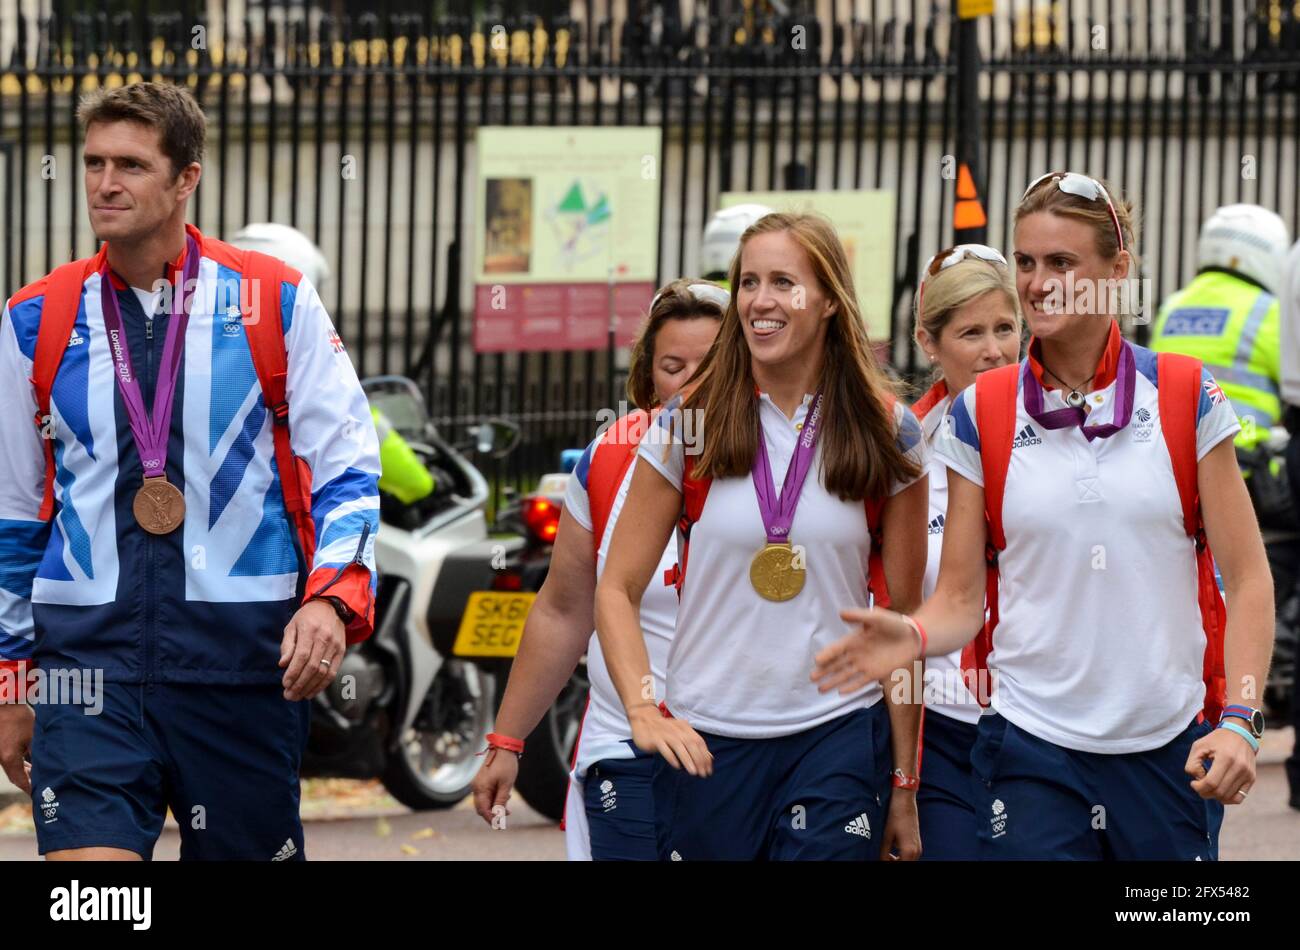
(1036, 800)
(224, 759)
(620, 809)
(818, 795)
(945, 802)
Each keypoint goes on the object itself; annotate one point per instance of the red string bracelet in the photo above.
(508, 743)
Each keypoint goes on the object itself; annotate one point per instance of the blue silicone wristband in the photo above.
(1254, 743)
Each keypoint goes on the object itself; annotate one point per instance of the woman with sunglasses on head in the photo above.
(776, 770)
(1116, 733)
(967, 322)
(610, 816)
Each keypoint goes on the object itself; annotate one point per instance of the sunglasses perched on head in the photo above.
(955, 255)
(1090, 189)
(702, 293)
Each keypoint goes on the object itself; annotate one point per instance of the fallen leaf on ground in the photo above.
(16, 817)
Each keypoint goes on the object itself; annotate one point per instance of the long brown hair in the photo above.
(674, 301)
(860, 455)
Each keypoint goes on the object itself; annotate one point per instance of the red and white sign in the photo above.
(553, 316)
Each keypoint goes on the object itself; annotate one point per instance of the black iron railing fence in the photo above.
(1184, 105)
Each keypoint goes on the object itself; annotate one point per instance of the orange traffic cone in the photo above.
(968, 212)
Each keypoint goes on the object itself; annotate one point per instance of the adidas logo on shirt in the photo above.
(1026, 436)
(859, 826)
(287, 851)
(936, 526)
(76, 339)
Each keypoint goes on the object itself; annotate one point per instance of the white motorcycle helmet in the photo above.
(722, 238)
(1247, 239)
(289, 245)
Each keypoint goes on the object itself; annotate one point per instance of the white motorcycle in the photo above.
(400, 709)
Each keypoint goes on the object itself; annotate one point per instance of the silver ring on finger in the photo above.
(325, 663)
(1241, 793)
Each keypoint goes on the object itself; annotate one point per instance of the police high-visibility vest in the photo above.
(401, 472)
(1234, 328)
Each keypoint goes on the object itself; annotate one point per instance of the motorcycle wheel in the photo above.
(435, 761)
(543, 779)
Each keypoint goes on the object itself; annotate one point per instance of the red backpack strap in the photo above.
(610, 460)
(876, 581)
(996, 394)
(63, 289)
(265, 326)
(694, 492)
(1180, 390)
(1179, 387)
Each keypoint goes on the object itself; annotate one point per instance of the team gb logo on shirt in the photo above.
(1214, 392)
(1143, 425)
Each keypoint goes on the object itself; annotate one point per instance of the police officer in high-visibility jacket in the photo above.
(1228, 316)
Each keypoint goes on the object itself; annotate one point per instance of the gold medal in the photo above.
(774, 574)
(159, 506)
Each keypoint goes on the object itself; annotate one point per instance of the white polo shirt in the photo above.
(605, 728)
(740, 665)
(1099, 646)
(945, 692)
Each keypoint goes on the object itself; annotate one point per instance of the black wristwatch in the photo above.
(340, 608)
(1254, 717)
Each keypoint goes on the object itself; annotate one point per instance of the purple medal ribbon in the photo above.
(1125, 378)
(778, 511)
(150, 433)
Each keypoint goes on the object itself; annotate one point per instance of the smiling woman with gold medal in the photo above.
(756, 762)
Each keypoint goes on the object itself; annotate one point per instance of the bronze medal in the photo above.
(159, 506)
(774, 574)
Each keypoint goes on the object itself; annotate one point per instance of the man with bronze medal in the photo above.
(191, 519)
(159, 507)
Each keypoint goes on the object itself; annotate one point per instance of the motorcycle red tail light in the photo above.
(507, 581)
(542, 516)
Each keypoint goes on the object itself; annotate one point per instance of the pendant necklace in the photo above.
(1075, 398)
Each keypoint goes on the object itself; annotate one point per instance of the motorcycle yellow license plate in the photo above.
(492, 624)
